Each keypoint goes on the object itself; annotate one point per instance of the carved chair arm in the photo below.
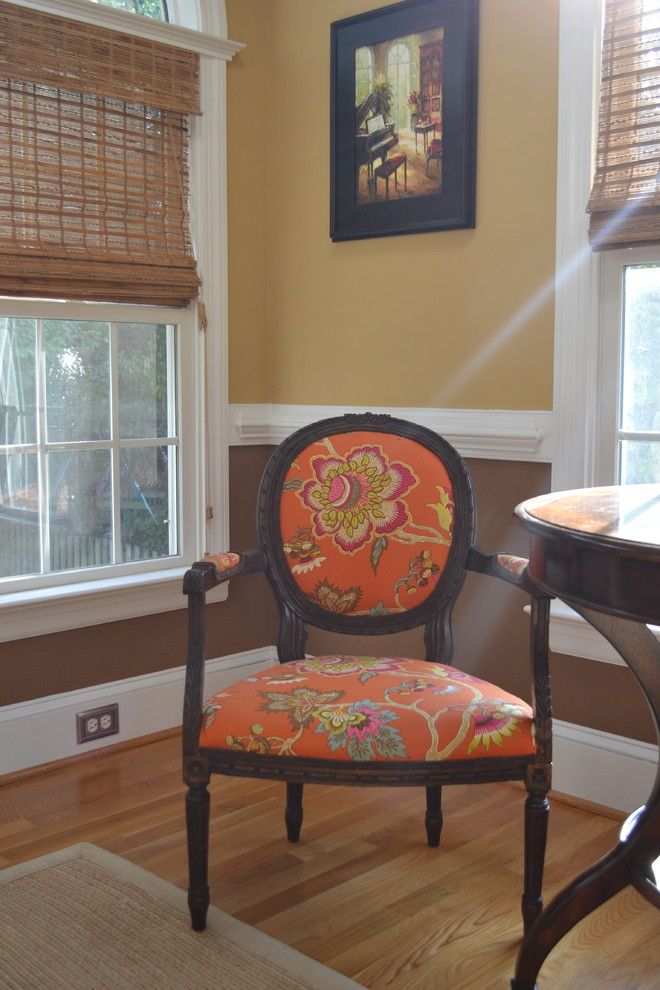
(505, 566)
(216, 568)
(205, 574)
(514, 570)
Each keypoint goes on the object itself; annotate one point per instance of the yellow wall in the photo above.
(247, 85)
(440, 319)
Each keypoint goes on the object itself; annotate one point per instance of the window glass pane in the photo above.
(156, 9)
(640, 462)
(77, 368)
(19, 514)
(80, 503)
(145, 362)
(148, 523)
(640, 406)
(18, 380)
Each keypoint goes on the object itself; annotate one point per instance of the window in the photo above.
(91, 415)
(364, 74)
(147, 511)
(592, 323)
(398, 74)
(629, 450)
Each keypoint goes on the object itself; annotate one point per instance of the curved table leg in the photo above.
(639, 844)
(587, 892)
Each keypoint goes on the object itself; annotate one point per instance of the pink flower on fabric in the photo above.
(355, 497)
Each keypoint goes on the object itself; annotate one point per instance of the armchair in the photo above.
(365, 525)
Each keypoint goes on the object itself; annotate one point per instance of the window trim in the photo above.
(610, 379)
(194, 24)
(579, 336)
(49, 610)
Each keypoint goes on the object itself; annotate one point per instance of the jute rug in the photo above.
(84, 919)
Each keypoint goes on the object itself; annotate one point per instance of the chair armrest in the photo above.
(501, 565)
(205, 574)
(216, 568)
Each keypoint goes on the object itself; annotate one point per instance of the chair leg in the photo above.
(537, 807)
(433, 820)
(197, 820)
(293, 816)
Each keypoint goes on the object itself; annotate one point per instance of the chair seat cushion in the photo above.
(368, 708)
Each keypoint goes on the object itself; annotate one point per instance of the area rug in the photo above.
(84, 918)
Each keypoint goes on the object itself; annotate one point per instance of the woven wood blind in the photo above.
(93, 162)
(625, 198)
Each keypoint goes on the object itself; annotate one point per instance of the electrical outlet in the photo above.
(97, 722)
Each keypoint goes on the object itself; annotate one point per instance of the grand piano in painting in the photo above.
(373, 138)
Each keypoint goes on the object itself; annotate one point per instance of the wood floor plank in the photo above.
(361, 891)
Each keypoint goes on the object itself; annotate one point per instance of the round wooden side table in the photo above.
(598, 549)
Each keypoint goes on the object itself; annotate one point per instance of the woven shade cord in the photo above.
(625, 199)
(93, 181)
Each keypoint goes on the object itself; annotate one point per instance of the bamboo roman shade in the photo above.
(625, 198)
(93, 162)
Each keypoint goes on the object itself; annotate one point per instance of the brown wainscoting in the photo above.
(78, 658)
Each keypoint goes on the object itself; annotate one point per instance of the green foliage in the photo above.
(384, 96)
(147, 8)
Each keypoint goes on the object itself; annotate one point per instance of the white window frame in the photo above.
(613, 266)
(44, 610)
(579, 328)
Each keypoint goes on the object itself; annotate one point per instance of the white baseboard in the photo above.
(603, 768)
(497, 434)
(591, 765)
(43, 730)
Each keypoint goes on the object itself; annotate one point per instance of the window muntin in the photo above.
(89, 447)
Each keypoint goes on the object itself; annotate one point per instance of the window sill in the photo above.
(89, 603)
(572, 636)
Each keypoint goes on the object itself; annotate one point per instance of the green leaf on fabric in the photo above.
(377, 550)
(292, 485)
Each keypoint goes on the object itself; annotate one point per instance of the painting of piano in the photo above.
(403, 119)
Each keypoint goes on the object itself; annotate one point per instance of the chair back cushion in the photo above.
(366, 522)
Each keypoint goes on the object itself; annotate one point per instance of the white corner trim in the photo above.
(577, 329)
(497, 434)
(90, 603)
(572, 635)
(40, 731)
(601, 767)
(142, 27)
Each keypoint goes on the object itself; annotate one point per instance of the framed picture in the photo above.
(404, 119)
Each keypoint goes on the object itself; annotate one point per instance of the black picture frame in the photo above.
(363, 200)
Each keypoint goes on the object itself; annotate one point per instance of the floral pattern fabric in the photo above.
(222, 561)
(365, 709)
(367, 521)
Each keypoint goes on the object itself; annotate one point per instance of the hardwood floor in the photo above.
(361, 892)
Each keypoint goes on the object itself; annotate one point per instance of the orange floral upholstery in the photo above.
(366, 521)
(368, 708)
(222, 561)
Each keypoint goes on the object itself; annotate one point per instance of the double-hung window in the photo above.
(110, 484)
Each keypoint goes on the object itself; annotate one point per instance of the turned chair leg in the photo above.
(537, 808)
(433, 820)
(293, 816)
(197, 820)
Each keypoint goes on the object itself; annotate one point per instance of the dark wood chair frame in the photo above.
(297, 611)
